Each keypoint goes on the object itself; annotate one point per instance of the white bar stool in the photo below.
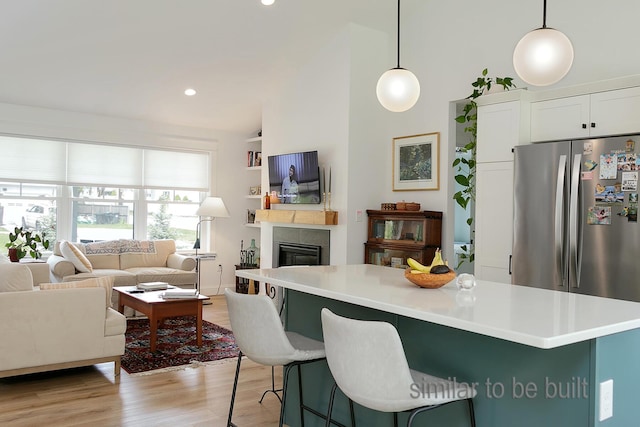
(382, 380)
(261, 337)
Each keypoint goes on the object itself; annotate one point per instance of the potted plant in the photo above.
(23, 242)
(466, 168)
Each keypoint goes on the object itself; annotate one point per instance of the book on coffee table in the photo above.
(180, 293)
(153, 286)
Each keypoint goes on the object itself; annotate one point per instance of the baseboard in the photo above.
(215, 290)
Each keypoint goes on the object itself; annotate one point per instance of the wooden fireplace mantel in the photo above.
(297, 216)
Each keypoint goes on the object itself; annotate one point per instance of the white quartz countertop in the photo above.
(535, 317)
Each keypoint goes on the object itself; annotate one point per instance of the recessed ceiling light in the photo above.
(267, 2)
(190, 92)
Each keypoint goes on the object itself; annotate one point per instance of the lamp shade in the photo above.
(213, 207)
(398, 90)
(543, 56)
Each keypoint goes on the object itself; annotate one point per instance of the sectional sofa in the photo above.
(65, 326)
(129, 261)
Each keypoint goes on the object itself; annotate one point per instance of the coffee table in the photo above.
(157, 308)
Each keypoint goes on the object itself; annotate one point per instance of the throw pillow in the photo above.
(15, 277)
(75, 255)
(97, 282)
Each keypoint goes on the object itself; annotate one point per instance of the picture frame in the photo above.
(416, 162)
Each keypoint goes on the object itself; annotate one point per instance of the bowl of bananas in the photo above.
(433, 276)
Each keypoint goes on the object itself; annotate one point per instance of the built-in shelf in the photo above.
(297, 216)
(255, 139)
(253, 196)
(253, 224)
(254, 168)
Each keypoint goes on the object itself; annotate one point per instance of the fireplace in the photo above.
(300, 246)
(298, 254)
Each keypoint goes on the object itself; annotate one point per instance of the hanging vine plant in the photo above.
(466, 167)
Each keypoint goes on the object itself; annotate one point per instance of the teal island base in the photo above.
(517, 385)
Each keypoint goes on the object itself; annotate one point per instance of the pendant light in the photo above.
(398, 89)
(543, 56)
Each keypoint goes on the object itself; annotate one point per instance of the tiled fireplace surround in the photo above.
(304, 236)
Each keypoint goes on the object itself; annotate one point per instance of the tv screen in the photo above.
(295, 177)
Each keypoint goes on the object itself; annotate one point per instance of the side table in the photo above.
(246, 286)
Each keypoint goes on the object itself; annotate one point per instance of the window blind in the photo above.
(32, 160)
(104, 165)
(173, 169)
(76, 163)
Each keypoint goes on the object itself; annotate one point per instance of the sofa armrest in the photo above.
(60, 267)
(181, 262)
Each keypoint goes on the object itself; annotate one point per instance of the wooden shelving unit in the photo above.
(297, 216)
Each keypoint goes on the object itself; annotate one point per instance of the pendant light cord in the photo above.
(544, 14)
(399, 33)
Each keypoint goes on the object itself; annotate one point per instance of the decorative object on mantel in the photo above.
(387, 206)
(326, 192)
(398, 89)
(466, 167)
(543, 56)
(23, 241)
(416, 162)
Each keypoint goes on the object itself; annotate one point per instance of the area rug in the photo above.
(176, 346)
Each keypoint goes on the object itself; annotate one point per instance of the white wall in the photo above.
(447, 45)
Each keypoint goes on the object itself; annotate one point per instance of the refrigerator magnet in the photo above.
(630, 145)
(633, 198)
(627, 161)
(590, 165)
(632, 215)
(587, 148)
(599, 215)
(608, 166)
(587, 176)
(629, 181)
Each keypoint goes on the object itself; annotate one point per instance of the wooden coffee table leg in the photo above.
(153, 331)
(199, 323)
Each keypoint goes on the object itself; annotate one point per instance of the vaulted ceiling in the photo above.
(135, 58)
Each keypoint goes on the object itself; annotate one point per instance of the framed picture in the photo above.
(416, 162)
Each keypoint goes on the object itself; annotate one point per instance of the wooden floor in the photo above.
(192, 397)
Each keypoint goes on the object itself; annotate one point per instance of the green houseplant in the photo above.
(23, 242)
(465, 168)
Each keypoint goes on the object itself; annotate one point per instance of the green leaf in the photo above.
(485, 71)
(456, 162)
(462, 180)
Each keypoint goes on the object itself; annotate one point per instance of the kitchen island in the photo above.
(537, 356)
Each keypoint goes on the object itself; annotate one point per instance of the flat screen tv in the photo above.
(295, 177)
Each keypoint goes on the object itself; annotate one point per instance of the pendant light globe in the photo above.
(543, 57)
(398, 90)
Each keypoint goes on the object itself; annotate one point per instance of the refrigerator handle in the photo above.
(574, 258)
(558, 219)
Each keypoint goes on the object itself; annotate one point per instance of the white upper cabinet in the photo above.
(498, 131)
(612, 112)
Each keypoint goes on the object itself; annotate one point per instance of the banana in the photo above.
(437, 259)
(416, 266)
(417, 272)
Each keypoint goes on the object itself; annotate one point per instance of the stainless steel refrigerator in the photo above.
(575, 217)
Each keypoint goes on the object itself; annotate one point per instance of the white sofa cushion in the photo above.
(75, 255)
(15, 277)
(105, 282)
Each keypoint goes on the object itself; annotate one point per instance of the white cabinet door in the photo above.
(615, 112)
(494, 221)
(498, 131)
(558, 119)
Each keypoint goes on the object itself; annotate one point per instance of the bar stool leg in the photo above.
(330, 408)
(233, 393)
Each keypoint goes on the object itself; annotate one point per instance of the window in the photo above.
(102, 213)
(92, 192)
